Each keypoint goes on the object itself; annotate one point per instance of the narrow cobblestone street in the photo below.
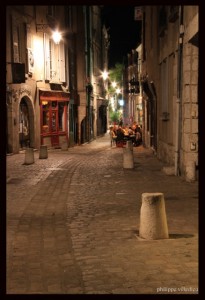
(73, 225)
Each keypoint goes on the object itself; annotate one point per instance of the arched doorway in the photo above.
(26, 121)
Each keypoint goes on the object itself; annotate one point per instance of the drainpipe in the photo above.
(178, 101)
(87, 55)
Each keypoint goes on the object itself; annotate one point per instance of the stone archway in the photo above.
(26, 123)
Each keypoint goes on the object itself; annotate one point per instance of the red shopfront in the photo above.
(54, 117)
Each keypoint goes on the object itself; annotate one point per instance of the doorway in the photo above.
(24, 125)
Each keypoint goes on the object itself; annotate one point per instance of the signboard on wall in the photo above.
(18, 73)
(30, 60)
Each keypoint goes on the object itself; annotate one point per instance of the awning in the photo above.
(149, 89)
(49, 95)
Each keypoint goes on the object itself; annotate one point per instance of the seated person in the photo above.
(120, 134)
(130, 131)
(113, 136)
(138, 140)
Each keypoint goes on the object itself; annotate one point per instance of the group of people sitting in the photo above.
(120, 134)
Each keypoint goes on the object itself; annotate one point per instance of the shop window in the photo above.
(53, 116)
(46, 118)
(54, 104)
(53, 122)
(61, 125)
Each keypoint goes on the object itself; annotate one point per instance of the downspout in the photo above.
(87, 58)
(44, 58)
(91, 70)
(178, 101)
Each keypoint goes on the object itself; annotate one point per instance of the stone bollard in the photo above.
(29, 156)
(128, 159)
(129, 145)
(153, 221)
(43, 152)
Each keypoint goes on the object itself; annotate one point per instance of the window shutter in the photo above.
(47, 58)
(54, 56)
(15, 37)
(62, 62)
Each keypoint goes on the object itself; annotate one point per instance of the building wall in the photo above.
(167, 91)
(27, 30)
(20, 26)
(171, 63)
(150, 74)
(100, 41)
(189, 146)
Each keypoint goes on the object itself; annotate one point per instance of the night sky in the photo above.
(125, 32)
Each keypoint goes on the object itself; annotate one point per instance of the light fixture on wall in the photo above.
(105, 75)
(56, 37)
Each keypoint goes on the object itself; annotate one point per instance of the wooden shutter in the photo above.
(47, 58)
(15, 40)
(62, 62)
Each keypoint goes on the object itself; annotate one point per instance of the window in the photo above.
(69, 21)
(62, 62)
(54, 127)
(50, 60)
(51, 10)
(162, 21)
(54, 116)
(61, 116)
(46, 118)
(15, 37)
(47, 57)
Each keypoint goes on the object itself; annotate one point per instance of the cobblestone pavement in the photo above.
(73, 221)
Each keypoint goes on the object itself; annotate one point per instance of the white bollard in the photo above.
(43, 152)
(128, 159)
(29, 156)
(153, 221)
(129, 145)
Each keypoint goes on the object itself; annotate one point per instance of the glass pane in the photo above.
(53, 124)
(61, 116)
(54, 104)
(45, 105)
(45, 120)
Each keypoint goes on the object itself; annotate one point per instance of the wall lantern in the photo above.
(56, 37)
(105, 75)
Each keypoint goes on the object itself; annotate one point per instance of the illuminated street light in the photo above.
(118, 91)
(56, 37)
(114, 84)
(121, 102)
(105, 75)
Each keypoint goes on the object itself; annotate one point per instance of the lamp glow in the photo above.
(105, 75)
(56, 37)
(114, 84)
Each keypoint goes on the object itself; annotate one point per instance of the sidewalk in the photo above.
(73, 225)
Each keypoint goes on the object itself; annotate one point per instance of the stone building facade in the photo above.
(170, 85)
(49, 83)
